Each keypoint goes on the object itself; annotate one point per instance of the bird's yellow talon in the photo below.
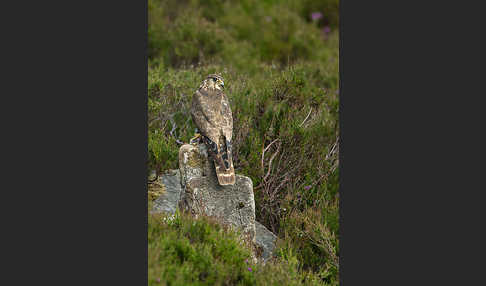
(194, 140)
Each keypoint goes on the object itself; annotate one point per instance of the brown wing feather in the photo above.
(227, 175)
(204, 116)
(212, 115)
(227, 118)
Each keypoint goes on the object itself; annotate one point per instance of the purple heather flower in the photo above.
(158, 280)
(249, 269)
(246, 260)
(307, 188)
(326, 29)
(316, 16)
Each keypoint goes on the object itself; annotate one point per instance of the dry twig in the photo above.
(306, 117)
(270, 162)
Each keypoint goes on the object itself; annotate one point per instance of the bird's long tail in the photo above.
(223, 161)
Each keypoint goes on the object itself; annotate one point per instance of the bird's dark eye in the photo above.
(214, 79)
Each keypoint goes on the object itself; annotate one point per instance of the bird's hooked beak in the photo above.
(222, 85)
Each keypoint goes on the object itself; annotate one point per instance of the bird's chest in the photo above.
(214, 107)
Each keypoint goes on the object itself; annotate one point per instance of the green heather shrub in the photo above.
(187, 251)
(267, 106)
(281, 74)
(241, 33)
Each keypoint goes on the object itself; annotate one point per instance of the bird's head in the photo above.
(214, 82)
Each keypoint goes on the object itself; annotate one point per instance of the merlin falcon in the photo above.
(212, 115)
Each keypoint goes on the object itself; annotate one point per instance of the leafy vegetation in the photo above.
(280, 63)
(188, 251)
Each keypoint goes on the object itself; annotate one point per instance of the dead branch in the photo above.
(269, 146)
(280, 185)
(334, 149)
(270, 162)
(306, 117)
(265, 149)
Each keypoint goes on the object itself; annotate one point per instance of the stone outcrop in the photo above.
(194, 188)
(265, 240)
(202, 194)
(169, 199)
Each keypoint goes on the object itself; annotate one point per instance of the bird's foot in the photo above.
(196, 139)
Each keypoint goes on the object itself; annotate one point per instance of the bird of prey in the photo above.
(212, 115)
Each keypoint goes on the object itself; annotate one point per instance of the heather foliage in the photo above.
(280, 63)
(187, 251)
(242, 33)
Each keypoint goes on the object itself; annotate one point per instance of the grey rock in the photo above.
(202, 195)
(194, 188)
(265, 239)
(169, 200)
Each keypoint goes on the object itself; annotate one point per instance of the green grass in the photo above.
(241, 33)
(187, 251)
(282, 78)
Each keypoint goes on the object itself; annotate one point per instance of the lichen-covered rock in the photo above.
(156, 188)
(265, 239)
(169, 199)
(194, 188)
(202, 195)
